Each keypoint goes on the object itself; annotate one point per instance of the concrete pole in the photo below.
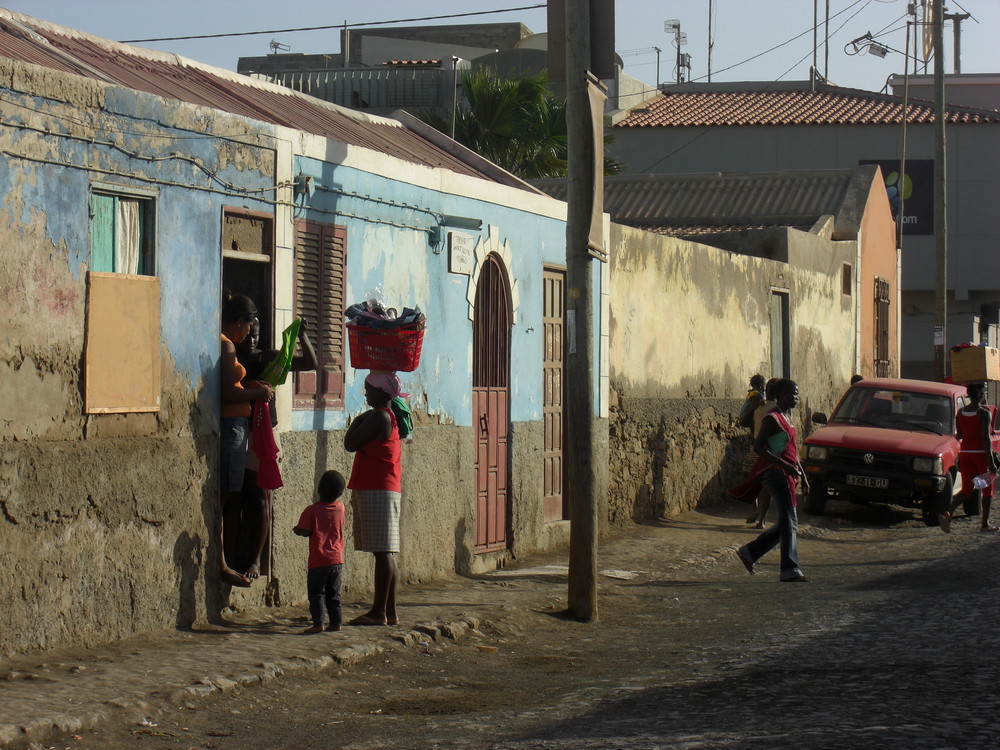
(454, 94)
(956, 26)
(582, 594)
(940, 202)
(709, 41)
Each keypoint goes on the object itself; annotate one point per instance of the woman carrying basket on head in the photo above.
(374, 439)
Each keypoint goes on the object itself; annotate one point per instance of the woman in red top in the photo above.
(373, 437)
(975, 457)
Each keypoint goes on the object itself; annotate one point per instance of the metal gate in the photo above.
(491, 405)
(553, 362)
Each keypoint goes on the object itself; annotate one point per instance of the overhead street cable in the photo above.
(332, 26)
(706, 130)
(788, 41)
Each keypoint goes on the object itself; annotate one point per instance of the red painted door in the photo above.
(491, 405)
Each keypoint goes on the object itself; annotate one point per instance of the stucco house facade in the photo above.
(135, 187)
(768, 126)
(715, 277)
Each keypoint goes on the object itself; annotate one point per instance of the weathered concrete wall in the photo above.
(689, 325)
(107, 521)
(438, 508)
(879, 258)
(973, 180)
(671, 455)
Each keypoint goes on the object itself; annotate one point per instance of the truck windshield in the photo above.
(897, 410)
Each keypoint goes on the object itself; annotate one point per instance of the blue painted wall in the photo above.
(189, 205)
(389, 245)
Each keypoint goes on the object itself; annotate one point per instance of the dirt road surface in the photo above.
(892, 645)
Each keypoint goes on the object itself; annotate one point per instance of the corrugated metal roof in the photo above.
(697, 232)
(29, 40)
(695, 204)
(827, 105)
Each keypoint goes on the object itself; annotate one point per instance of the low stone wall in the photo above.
(672, 455)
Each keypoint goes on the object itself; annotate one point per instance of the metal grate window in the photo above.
(881, 328)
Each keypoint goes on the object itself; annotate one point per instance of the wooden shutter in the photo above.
(102, 232)
(320, 254)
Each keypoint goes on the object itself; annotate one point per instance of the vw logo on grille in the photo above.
(869, 458)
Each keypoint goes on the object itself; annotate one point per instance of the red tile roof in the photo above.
(827, 105)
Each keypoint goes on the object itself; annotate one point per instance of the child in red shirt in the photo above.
(323, 523)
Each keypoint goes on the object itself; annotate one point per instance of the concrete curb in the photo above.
(134, 709)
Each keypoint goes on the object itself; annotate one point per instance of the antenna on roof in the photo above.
(277, 47)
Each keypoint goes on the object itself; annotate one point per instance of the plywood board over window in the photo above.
(122, 351)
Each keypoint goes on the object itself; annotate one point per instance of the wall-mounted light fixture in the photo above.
(305, 185)
(436, 234)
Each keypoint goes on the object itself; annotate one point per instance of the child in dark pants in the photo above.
(323, 523)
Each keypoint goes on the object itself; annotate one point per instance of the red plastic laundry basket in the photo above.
(395, 349)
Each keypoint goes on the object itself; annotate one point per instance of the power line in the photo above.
(705, 131)
(782, 44)
(334, 26)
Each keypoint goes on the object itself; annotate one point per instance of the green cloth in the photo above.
(278, 368)
(404, 421)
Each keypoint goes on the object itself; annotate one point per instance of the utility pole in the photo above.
(940, 200)
(710, 41)
(581, 180)
(454, 94)
(658, 51)
(956, 26)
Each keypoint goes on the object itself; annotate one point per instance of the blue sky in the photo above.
(742, 29)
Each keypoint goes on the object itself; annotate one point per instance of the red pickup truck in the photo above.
(889, 441)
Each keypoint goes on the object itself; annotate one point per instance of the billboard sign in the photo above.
(916, 190)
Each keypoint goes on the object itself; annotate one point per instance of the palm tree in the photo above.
(514, 122)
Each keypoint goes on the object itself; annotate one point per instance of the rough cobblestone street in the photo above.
(893, 645)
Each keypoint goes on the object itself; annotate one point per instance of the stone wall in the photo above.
(689, 325)
(671, 455)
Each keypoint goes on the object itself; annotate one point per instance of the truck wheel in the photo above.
(815, 502)
(971, 503)
(936, 504)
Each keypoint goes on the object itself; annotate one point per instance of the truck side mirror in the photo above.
(819, 417)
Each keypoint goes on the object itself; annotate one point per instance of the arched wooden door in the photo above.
(491, 404)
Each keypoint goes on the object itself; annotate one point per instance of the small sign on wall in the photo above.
(460, 250)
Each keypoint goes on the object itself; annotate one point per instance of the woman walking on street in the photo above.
(777, 467)
(373, 437)
(975, 457)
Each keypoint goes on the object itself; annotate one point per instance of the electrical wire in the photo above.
(166, 136)
(965, 11)
(799, 62)
(333, 26)
(788, 41)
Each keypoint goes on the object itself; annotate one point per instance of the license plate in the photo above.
(876, 482)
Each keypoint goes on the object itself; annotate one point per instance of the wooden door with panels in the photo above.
(491, 405)
(553, 394)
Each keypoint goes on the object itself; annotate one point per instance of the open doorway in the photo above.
(247, 246)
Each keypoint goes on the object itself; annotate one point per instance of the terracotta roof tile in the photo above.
(828, 105)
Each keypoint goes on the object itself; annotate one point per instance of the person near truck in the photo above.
(974, 424)
(778, 466)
